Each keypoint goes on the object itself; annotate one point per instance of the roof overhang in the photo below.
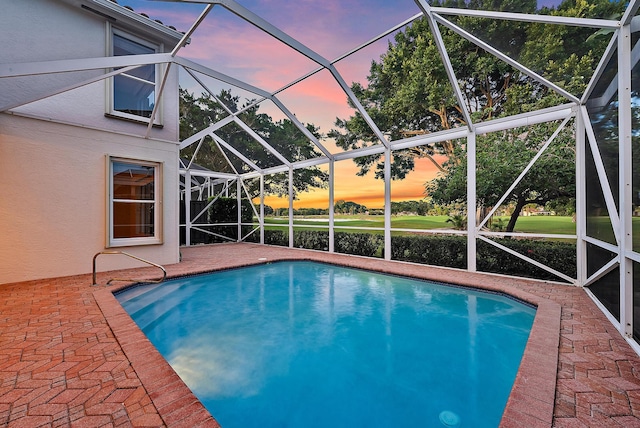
(130, 20)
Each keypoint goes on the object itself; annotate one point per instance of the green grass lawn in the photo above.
(401, 222)
(563, 225)
(533, 224)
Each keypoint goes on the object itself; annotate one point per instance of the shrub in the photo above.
(360, 244)
(276, 237)
(560, 256)
(311, 239)
(444, 250)
(225, 210)
(438, 250)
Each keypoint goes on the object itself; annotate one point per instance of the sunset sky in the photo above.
(330, 28)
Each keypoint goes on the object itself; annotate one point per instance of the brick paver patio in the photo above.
(71, 356)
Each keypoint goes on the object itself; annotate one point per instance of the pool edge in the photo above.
(175, 402)
(532, 398)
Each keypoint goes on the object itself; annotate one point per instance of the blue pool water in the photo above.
(304, 344)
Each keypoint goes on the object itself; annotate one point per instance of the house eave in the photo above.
(130, 19)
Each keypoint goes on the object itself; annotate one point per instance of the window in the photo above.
(133, 94)
(134, 202)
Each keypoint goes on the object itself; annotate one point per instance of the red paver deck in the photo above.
(71, 356)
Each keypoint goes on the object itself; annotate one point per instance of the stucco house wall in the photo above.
(53, 152)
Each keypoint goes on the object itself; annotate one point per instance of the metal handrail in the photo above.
(153, 281)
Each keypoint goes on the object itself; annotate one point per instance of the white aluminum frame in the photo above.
(627, 57)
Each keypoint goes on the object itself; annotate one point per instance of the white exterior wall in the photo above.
(53, 168)
(49, 30)
(53, 199)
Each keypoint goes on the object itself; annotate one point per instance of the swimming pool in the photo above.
(310, 344)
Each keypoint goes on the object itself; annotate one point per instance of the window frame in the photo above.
(157, 237)
(111, 86)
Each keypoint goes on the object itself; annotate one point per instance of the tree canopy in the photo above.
(199, 112)
(501, 157)
(408, 93)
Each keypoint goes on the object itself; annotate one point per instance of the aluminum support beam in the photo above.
(472, 230)
(625, 198)
(526, 119)
(387, 204)
(600, 68)
(191, 30)
(226, 157)
(524, 17)
(157, 102)
(529, 260)
(236, 152)
(197, 173)
(630, 13)
(207, 131)
(356, 102)
(261, 141)
(209, 91)
(291, 208)
(602, 177)
(332, 247)
(581, 200)
(220, 76)
(247, 15)
(369, 42)
(239, 202)
(261, 218)
(187, 208)
(195, 153)
(82, 64)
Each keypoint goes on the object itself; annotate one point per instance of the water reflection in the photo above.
(269, 343)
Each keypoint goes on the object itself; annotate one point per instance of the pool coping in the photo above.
(532, 397)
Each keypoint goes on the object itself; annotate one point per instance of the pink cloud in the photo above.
(232, 46)
(332, 27)
(228, 44)
(255, 58)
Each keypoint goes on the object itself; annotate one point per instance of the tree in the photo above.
(408, 92)
(197, 113)
(413, 207)
(349, 207)
(501, 157)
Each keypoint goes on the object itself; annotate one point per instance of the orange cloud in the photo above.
(366, 190)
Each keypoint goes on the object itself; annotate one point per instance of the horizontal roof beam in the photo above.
(81, 64)
(527, 119)
(432, 138)
(524, 119)
(527, 17)
(212, 174)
